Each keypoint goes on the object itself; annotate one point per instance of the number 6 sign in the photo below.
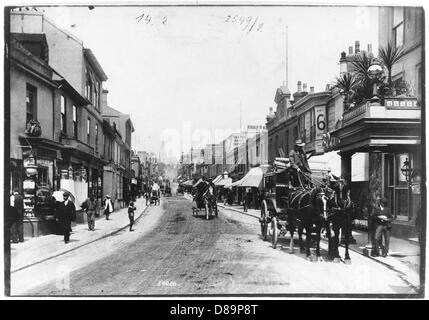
(320, 121)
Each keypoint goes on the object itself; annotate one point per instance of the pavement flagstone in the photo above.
(36, 250)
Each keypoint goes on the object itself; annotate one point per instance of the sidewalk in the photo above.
(404, 255)
(36, 250)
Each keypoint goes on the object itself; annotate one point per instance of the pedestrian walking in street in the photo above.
(17, 226)
(17, 217)
(383, 225)
(108, 207)
(131, 209)
(66, 213)
(90, 205)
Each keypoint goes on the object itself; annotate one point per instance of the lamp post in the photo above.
(374, 71)
(407, 171)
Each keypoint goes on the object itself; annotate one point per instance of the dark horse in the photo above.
(339, 218)
(308, 210)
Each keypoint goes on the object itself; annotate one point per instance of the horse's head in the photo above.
(322, 203)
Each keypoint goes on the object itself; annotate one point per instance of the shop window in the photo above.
(30, 100)
(63, 114)
(42, 176)
(400, 159)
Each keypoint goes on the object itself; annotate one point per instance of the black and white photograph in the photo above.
(214, 149)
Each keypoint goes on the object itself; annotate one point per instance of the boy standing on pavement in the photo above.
(131, 209)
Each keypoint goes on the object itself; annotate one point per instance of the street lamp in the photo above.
(407, 171)
(374, 71)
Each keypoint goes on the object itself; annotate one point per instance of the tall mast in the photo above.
(286, 44)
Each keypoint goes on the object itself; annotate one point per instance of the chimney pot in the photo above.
(304, 87)
(357, 45)
(369, 48)
(311, 89)
(299, 86)
(351, 50)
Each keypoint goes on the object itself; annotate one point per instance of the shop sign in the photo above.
(29, 162)
(415, 188)
(320, 113)
(329, 143)
(29, 184)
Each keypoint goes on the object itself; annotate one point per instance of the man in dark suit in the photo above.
(18, 221)
(299, 164)
(65, 215)
(383, 224)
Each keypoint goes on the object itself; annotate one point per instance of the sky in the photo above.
(191, 75)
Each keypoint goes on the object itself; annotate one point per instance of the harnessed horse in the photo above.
(308, 210)
(339, 219)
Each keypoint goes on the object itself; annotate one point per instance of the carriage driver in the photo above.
(299, 164)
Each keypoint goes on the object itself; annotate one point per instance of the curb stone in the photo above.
(402, 275)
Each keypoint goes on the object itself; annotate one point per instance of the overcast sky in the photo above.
(183, 70)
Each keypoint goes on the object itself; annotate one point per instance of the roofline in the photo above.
(95, 64)
(45, 17)
(311, 96)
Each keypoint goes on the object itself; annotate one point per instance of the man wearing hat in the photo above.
(66, 213)
(298, 162)
(108, 207)
(382, 217)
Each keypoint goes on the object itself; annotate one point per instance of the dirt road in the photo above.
(171, 252)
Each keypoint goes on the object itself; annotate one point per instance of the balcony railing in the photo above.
(393, 108)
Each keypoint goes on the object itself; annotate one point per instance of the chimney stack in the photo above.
(304, 87)
(328, 87)
(343, 63)
(311, 89)
(357, 45)
(350, 50)
(299, 86)
(369, 48)
(104, 99)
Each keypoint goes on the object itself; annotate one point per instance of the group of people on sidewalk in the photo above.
(65, 214)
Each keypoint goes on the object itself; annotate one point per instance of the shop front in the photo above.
(34, 177)
(390, 138)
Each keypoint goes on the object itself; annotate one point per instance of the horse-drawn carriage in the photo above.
(155, 197)
(308, 207)
(167, 191)
(204, 198)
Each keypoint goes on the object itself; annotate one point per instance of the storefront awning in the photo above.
(198, 182)
(223, 182)
(218, 178)
(188, 183)
(252, 179)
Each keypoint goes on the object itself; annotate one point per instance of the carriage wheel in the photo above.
(263, 221)
(274, 232)
(207, 211)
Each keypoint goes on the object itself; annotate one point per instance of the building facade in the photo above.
(389, 130)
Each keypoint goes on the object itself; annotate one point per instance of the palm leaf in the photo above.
(390, 54)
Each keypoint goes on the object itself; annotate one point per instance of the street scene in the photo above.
(214, 150)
